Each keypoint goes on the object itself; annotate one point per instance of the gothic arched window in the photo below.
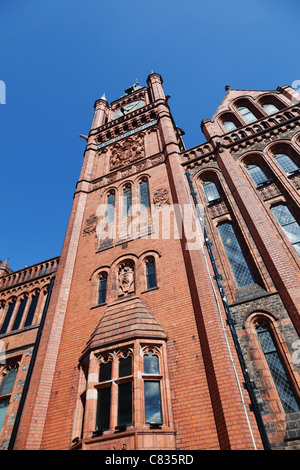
(286, 163)
(110, 207)
(144, 194)
(246, 114)
(102, 288)
(288, 399)
(7, 381)
(241, 271)
(229, 126)
(127, 200)
(289, 224)
(211, 191)
(32, 308)
(257, 174)
(150, 273)
(270, 108)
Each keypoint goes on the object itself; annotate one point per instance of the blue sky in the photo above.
(58, 57)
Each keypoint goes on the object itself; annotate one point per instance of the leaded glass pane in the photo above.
(257, 174)
(144, 194)
(277, 370)
(229, 126)
(238, 263)
(289, 224)
(110, 208)
(3, 408)
(125, 404)
(125, 366)
(247, 115)
(152, 402)
(286, 163)
(151, 365)
(8, 380)
(126, 201)
(270, 108)
(103, 408)
(211, 191)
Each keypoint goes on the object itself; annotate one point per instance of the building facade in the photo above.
(172, 318)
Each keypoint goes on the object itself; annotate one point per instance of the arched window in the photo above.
(257, 174)
(246, 114)
(7, 381)
(144, 194)
(152, 394)
(31, 310)
(211, 192)
(287, 164)
(270, 108)
(229, 126)
(8, 317)
(102, 289)
(19, 315)
(288, 399)
(150, 273)
(289, 224)
(241, 271)
(127, 201)
(110, 207)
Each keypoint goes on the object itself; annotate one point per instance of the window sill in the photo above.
(150, 290)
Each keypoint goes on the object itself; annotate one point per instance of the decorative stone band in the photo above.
(127, 134)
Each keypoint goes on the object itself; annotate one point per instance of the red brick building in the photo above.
(172, 319)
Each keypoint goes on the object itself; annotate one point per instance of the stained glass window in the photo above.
(281, 380)
(242, 274)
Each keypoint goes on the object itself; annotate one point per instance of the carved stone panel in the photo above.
(126, 279)
(127, 151)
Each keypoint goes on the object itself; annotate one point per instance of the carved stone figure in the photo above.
(161, 197)
(126, 279)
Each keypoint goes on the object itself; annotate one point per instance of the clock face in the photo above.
(128, 108)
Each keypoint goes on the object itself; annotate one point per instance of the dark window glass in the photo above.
(3, 408)
(125, 404)
(31, 310)
(211, 191)
(238, 263)
(103, 408)
(151, 363)
(270, 108)
(289, 224)
(125, 366)
(8, 380)
(152, 402)
(257, 174)
(144, 194)
(102, 290)
(110, 208)
(19, 314)
(7, 317)
(105, 371)
(285, 392)
(287, 164)
(150, 274)
(126, 201)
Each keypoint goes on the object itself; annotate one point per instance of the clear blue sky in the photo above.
(58, 57)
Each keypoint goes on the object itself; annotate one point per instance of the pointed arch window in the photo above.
(19, 315)
(257, 174)
(150, 273)
(102, 289)
(32, 309)
(144, 194)
(211, 192)
(246, 114)
(240, 269)
(8, 316)
(289, 224)
(287, 396)
(7, 381)
(110, 207)
(286, 163)
(127, 201)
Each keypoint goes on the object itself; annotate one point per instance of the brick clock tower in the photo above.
(141, 344)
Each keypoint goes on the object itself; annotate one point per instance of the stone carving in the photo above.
(161, 197)
(126, 279)
(127, 151)
(90, 224)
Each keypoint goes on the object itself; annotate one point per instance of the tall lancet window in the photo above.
(110, 207)
(127, 201)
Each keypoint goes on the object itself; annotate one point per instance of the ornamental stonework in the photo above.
(127, 151)
(161, 197)
(90, 224)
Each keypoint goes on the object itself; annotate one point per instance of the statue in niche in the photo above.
(126, 279)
